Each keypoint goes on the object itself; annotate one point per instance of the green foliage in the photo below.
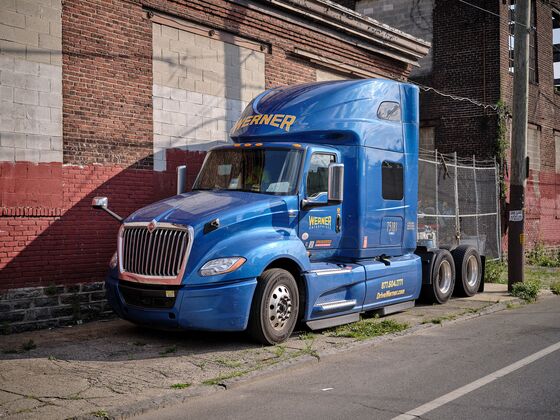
(527, 291)
(495, 272)
(555, 287)
(219, 379)
(539, 256)
(102, 414)
(502, 146)
(368, 328)
(180, 386)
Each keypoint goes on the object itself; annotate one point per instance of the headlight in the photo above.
(221, 266)
(114, 260)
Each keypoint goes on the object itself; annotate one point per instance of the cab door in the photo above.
(320, 224)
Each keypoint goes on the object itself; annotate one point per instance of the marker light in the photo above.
(221, 266)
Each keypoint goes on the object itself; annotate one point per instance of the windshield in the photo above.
(270, 171)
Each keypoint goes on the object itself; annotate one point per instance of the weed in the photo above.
(495, 271)
(511, 305)
(365, 329)
(50, 290)
(28, 345)
(102, 414)
(539, 256)
(180, 386)
(168, 350)
(53, 358)
(279, 350)
(228, 363)
(555, 287)
(307, 336)
(527, 290)
(219, 379)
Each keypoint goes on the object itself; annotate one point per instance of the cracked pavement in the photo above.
(108, 367)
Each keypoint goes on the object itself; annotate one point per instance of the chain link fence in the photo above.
(458, 203)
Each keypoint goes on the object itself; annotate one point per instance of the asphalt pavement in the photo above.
(502, 366)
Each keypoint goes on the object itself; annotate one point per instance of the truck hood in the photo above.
(199, 207)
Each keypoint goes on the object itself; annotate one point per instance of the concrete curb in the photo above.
(182, 396)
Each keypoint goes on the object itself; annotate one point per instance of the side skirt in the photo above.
(321, 324)
(391, 309)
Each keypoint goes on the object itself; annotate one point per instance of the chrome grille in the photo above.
(159, 253)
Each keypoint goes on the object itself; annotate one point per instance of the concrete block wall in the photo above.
(201, 86)
(31, 81)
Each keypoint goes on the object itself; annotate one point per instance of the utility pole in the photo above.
(518, 176)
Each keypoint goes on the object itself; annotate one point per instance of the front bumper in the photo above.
(222, 307)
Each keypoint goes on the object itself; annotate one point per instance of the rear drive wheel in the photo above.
(469, 270)
(274, 311)
(443, 278)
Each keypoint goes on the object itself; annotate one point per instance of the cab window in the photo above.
(318, 174)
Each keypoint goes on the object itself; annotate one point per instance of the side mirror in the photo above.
(336, 183)
(181, 179)
(102, 203)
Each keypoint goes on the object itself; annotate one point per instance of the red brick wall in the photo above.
(48, 231)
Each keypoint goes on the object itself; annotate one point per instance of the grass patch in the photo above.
(511, 305)
(168, 350)
(527, 290)
(368, 328)
(555, 287)
(219, 379)
(539, 256)
(228, 363)
(102, 414)
(180, 386)
(496, 272)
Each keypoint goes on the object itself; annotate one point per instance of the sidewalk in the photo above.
(114, 368)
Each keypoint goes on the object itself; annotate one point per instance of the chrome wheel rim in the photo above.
(279, 307)
(472, 271)
(444, 277)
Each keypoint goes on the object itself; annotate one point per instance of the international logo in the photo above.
(152, 226)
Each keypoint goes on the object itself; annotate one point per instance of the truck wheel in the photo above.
(469, 270)
(274, 311)
(443, 278)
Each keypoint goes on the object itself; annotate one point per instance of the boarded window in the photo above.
(534, 147)
(392, 180)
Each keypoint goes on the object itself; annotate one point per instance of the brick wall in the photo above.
(30, 81)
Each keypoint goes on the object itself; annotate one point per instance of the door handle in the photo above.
(338, 223)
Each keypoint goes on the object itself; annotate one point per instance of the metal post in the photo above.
(457, 222)
(516, 236)
(437, 199)
(498, 218)
(476, 204)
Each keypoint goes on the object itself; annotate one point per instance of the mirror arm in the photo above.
(112, 214)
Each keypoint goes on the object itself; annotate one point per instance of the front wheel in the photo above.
(274, 311)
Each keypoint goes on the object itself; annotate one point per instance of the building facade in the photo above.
(107, 98)
(471, 57)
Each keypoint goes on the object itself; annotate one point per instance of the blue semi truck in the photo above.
(310, 216)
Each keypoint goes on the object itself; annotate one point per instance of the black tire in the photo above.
(468, 267)
(443, 278)
(275, 307)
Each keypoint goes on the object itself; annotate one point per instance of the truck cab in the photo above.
(310, 215)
